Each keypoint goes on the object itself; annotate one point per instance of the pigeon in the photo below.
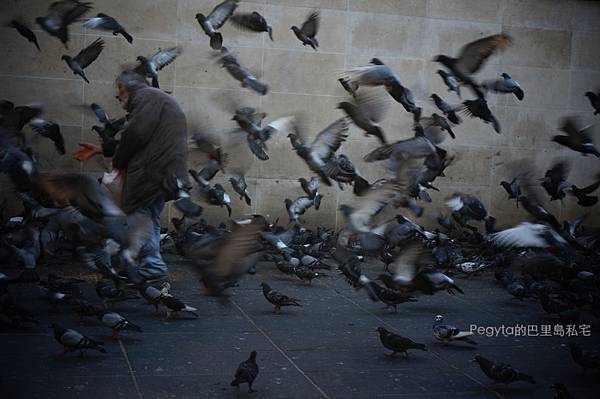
(391, 297)
(366, 113)
(577, 138)
(445, 108)
(175, 305)
(249, 121)
(397, 343)
(323, 147)
(241, 74)
(450, 81)
(51, 131)
(239, 186)
(311, 188)
(513, 189)
(298, 207)
(117, 323)
(149, 67)
(304, 273)
(14, 118)
(108, 23)
(582, 196)
(560, 391)
(308, 31)
(587, 359)
(439, 121)
(528, 235)
(472, 57)
(84, 58)
(25, 32)
(111, 294)
(374, 74)
(446, 333)
(554, 180)
(466, 207)
(246, 373)
(215, 195)
(253, 22)
(152, 295)
(285, 267)
(108, 131)
(278, 299)
(217, 17)
(60, 15)
(500, 372)
(72, 340)
(594, 101)
(479, 109)
(505, 85)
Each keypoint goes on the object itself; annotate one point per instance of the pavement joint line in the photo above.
(289, 359)
(430, 351)
(131, 371)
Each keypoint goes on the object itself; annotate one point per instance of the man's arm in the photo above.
(143, 118)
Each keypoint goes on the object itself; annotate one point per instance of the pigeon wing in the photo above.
(473, 55)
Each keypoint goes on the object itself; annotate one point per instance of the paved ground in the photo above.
(326, 349)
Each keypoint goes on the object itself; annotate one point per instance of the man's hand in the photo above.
(86, 151)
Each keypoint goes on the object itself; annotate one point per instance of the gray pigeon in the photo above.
(72, 340)
(278, 299)
(367, 112)
(217, 17)
(117, 323)
(25, 32)
(505, 85)
(308, 31)
(450, 81)
(594, 101)
(107, 23)
(446, 333)
(253, 22)
(246, 372)
(60, 15)
(149, 67)
(84, 58)
(239, 186)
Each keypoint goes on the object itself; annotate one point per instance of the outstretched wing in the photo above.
(473, 55)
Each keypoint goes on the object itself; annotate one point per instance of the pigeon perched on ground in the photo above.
(253, 22)
(587, 359)
(84, 58)
(446, 333)
(472, 57)
(578, 138)
(60, 15)
(505, 85)
(450, 81)
(239, 186)
(367, 112)
(500, 372)
(304, 273)
(117, 323)
(108, 23)
(308, 31)
(390, 297)
(446, 109)
(175, 305)
(111, 294)
(149, 67)
(246, 373)
(285, 267)
(397, 343)
(278, 299)
(215, 20)
(594, 101)
(25, 32)
(479, 109)
(51, 131)
(72, 340)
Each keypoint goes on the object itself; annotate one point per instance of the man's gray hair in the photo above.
(131, 80)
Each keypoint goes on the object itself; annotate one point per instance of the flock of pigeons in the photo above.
(73, 213)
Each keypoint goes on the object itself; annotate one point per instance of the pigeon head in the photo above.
(382, 330)
(505, 75)
(66, 58)
(434, 97)
(345, 105)
(589, 94)
(295, 29)
(443, 59)
(252, 356)
(439, 317)
(200, 17)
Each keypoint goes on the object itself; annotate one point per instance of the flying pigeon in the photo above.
(84, 58)
(450, 81)
(308, 31)
(51, 131)
(149, 67)
(25, 32)
(253, 22)
(60, 15)
(445, 108)
(578, 138)
(217, 17)
(594, 101)
(239, 186)
(367, 112)
(108, 23)
(505, 85)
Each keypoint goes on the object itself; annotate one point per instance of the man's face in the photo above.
(122, 95)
